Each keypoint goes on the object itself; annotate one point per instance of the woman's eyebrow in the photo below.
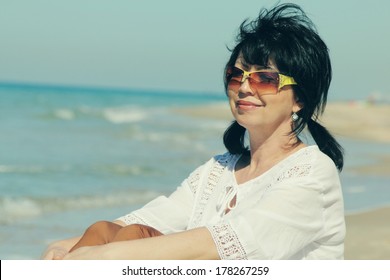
(260, 67)
(247, 66)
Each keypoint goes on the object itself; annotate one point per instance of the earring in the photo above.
(294, 117)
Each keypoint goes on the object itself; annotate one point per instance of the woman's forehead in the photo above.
(240, 61)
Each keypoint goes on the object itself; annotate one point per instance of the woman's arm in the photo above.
(191, 244)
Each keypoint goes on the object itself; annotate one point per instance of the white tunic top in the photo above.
(293, 211)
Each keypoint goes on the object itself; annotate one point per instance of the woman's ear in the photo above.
(298, 105)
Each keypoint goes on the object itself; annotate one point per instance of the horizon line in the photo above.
(51, 86)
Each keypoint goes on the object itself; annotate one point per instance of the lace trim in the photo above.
(133, 219)
(227, 242)
(298, 171)
(213, 179)
(193, 181)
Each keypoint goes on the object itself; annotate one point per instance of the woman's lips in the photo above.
(247, 105)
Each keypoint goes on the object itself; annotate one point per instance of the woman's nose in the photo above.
(245, 86)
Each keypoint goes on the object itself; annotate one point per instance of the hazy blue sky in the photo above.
(176, 45)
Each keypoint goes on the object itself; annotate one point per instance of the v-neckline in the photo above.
(274, 167)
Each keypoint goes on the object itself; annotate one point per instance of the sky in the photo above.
(177, 45)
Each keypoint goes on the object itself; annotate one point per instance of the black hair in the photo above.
(288, 37)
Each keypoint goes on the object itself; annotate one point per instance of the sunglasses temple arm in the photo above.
(285, 81)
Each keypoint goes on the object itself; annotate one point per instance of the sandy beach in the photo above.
(368, 233)
(353, 119)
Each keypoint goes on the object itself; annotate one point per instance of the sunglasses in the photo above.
(261, 81)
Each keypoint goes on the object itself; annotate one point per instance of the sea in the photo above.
(71, 156)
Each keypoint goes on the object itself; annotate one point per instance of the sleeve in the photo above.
(168, 214)
(288, 218)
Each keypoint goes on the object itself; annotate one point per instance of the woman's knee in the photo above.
(136, 231)
(99, 233)
(104, 229)
(98, 227)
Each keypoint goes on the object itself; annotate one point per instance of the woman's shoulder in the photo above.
(312, 155)
(319, 167)
(224, 158)
(219, 161)
(319, 160)
(307, 163)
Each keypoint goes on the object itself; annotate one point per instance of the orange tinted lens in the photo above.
(234, 73)
(264, 82)
(234, 84)
(261, 82)
(234, 77)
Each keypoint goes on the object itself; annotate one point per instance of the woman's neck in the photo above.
(265, 152)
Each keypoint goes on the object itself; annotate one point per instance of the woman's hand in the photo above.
(59, 249)
(54, 253)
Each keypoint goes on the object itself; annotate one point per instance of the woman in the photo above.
(277, 198)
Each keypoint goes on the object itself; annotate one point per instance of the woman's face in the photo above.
(257, 111)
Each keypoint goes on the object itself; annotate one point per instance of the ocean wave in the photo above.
(115, 115)
(125, 114)
(32, 169)
(168, 137)
(16, 209)
(65, 114)
(127, 170)
(112, 169)
(356, 189)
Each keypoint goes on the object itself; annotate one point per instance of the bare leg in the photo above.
(104, 232)
(135, 231)
(97, 234)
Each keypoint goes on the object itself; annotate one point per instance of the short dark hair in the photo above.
(288, 37)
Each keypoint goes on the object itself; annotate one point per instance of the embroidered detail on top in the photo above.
(300, 170)
(193, 181)
(213, 179)
(227, 242)
(133, 219)
(294, 172)
(297, 171)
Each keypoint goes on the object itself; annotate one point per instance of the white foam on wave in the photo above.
(356, 189)
(108, 200)
(21, 169)
(33, 169)
(65, 114)
(167, 137)
(123, 115)
(116, 115)
(16, 209)
(121, 169)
